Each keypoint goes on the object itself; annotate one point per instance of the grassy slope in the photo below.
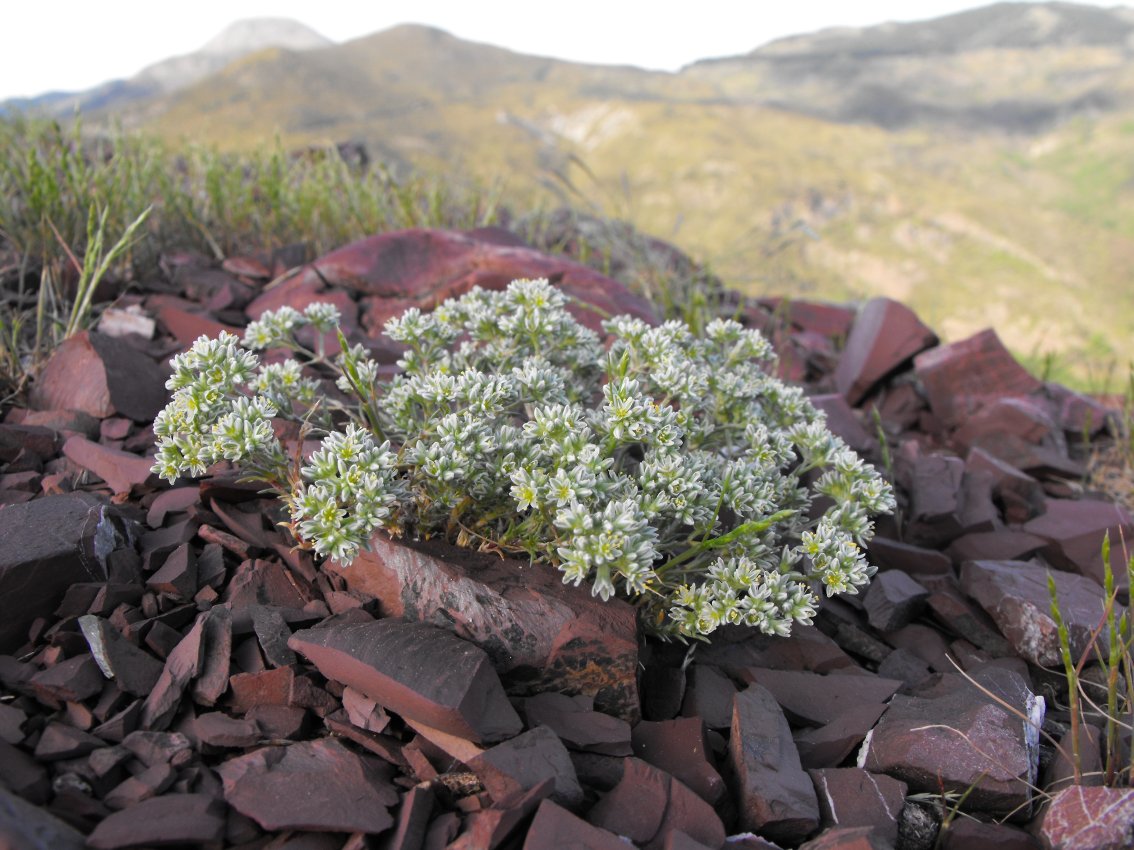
(1031, 234)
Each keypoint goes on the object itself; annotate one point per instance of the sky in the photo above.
(71, 45)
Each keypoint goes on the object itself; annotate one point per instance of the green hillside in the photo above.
(972, 214)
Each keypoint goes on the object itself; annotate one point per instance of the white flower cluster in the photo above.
(668, 465)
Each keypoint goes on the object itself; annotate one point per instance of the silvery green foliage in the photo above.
(668, 466)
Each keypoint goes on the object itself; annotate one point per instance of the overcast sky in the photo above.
(71, 45)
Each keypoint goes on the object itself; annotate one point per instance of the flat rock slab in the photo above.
(962, 377)
(553, 828)
(121, 470)
(27, 827)
(681, 748)
(101, 376)
(959, 742)
(521, 763)
(578, 725)
(541, 634)
(1089, 818)
(774, 796)
(817, 700)
(314, 785)
(648, 805)
(1016, 595)
(1074, 530)
(424, 267)
(851, 796)
(419, 671)
(170, 819)
(50, 544)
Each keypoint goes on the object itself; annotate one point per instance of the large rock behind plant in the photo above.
(421, 268)
(541, 634)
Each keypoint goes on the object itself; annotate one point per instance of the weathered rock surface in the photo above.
(339, 791)
(102, 376)
(1016, 595)
(455, 689)
(774, 796)
(541, 634)
(168, 819)
(885, 335)
(1089, 818)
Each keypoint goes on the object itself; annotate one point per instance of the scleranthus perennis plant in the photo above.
(664, 465)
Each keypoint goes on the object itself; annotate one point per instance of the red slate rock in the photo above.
(541, 634)
(152, 748)
(774, 796)
(186, 326)
(1015, 594)
(413, 819)
(1089, 818)
(50, 544)
(816, 699)
(1008, 544)
(22, 775)
(804, 649)
(212, 680)
(887, 554)
(708, 695)
(72, 680)
(266, 688)
(967, 833)
(364, 712)
(136, 672)
(851, 796)
(936, 499)
(885, 335)
(523, 762)
(134, 789)
(961, 742)
(343, 792)
(177, 577)
(828, 746)
(1023, 418)
(12, 721)
(1075, 530)
(216, 729)
(893, 599)
(648, 804)
(965, 376)
(159, 821)
(121, 470)
(24, 826)
(60, 741)
(428, 266)
(554, 828)
(680, 748)
(418, 671)
(964, 619)
(182, 665)
(101, 376)
(844, 422)
(577, 724)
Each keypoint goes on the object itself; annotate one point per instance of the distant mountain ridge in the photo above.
(169, 75)
(976, 167)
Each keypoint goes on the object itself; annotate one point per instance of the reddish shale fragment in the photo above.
(521, 763)
(102, 376)
(554, 828)
(851, 797)
(169, 819)
(342, 792)
(419, 671)
(885, 335)
(1089, 818)
(775, 796)
(541, 634)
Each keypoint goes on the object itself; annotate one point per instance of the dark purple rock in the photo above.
(893, 599)
(708, 695)
(648, 804)
(159, 821)
(343, 792)
(554, 827)
(885, 335)
(541, 634)
(1088, 818)
(851, 797)
(814, 699)
(1015, 594)
(27, 827)
(828, 746)
(101, 376)
(1075, 531)
(523, 762)
(419, 671)
(50, 544)
(775, 797)
(680, 748)
(577, 724)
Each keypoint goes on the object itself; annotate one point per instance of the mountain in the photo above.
(975, 166)
(1016, 67)
(162, 78)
